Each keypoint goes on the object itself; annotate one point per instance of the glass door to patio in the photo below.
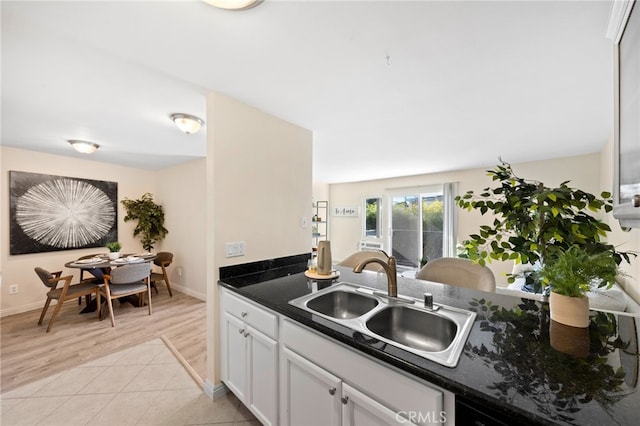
(417, 227)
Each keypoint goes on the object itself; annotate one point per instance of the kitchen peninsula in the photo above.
(508, 372)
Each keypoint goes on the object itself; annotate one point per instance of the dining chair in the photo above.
(163, 260)
(68, 291)
(124, 281)
(356, 258)
(458, 272)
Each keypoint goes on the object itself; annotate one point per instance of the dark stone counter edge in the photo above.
(252, 275)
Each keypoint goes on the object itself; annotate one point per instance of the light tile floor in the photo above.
(142, 385)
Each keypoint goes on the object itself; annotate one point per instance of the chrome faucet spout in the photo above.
(390, 269)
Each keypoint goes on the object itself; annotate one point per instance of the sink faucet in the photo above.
(389, 267)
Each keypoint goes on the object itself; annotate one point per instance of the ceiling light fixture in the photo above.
(187, 123)
(233, 4)
(83, 146)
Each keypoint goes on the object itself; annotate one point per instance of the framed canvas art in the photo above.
(51, 213)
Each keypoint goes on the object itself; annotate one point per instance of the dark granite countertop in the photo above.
(588, 377)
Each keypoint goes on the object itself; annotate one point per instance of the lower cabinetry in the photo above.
(287, 374)
(325, 383)
(250, 357)
(313, 396)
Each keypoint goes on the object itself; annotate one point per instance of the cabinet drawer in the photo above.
(258, 318)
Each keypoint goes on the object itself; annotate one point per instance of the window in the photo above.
(372, 217)
(422, 224)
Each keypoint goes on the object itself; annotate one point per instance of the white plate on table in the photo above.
(88, 261)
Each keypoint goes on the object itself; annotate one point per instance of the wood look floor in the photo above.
(28, 354)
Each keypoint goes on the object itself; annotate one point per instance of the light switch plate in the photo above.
(234, 249)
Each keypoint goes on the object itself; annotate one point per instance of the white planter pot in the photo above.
(114, 255)
(572, 311)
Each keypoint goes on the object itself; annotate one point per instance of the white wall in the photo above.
(320, 191)
(259, 177)
(345, 232)
(18, 269)
(182, 190)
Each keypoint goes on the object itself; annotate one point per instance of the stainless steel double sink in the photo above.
(436, 333)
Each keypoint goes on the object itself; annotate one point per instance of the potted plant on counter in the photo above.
(114, 249)
(570, 276)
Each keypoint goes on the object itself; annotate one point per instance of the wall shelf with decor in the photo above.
(319, 223)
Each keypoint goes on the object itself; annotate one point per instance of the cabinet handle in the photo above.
(332, 391)
(241, 331)
(246, 333)
(345, 400)
(243, 314)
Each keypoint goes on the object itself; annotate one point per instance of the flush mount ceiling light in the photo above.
(83, 146)
(233, 4)
(187, 123)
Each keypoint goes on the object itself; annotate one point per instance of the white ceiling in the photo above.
(389, 88)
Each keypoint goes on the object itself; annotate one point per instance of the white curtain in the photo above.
(450, 232)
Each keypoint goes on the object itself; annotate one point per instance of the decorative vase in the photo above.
(571, 311)
(114, 255)
(324, 258)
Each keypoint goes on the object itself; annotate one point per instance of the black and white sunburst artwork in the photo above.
(50, 213)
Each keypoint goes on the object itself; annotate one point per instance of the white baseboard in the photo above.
(189, 292)
(38, 305)
(24, 308)
(214, 391)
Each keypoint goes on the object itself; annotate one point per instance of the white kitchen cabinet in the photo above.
(234, 356)
(360, 410)
(366, 393)
(250, 355)
(288, 374)
(310, 394)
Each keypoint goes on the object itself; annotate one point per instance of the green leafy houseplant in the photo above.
(535, 223)
(573, 271)
(150, 217)
(114, 246)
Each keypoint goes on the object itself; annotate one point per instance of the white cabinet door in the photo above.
(249, 356)
(234, 359)
(360, 410)
(387, 391)
(263, 376)
(310, 395)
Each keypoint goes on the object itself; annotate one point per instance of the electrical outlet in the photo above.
(13, 289)
(235, 249)
(304, 222)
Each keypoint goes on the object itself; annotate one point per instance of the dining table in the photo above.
(100, 265)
